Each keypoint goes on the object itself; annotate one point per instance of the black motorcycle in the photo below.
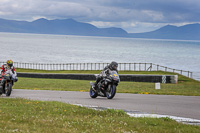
(8, 83)
(106, 87)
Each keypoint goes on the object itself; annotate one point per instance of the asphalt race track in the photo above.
(180, 106)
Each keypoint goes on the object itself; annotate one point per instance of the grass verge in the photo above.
(184, 87)
(20, 115)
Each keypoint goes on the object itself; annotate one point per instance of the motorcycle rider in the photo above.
(5, 67)
(111, 67)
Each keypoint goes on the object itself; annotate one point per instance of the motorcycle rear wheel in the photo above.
(93, 94)
(8, 89)
(1, 90)
(110, 93)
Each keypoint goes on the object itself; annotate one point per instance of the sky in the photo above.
(134, 16)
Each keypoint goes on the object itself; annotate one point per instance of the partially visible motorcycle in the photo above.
(9, 79)
(106, 87)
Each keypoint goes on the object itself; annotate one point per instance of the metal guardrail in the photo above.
(99, 66)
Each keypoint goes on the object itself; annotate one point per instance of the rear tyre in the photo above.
(8, 89)
(1, 90)
(93, 94)
(111, 91)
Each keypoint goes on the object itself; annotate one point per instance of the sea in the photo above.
(45, 48)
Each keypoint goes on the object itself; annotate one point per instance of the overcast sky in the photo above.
(132, 15)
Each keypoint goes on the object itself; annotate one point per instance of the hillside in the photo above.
(72, 27)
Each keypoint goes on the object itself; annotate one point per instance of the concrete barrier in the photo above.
(123, 77)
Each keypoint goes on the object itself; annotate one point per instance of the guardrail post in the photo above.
(124, 66)
(151, 66)
(139, 67)
(134, 66)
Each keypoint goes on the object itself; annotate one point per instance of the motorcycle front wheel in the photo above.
(8, 89)
(93, 94)
(111, 91)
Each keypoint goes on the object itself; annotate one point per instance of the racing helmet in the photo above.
(114, 65)
(9, 63)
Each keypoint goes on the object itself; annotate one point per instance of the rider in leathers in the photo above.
(4, 68)
(112, 67)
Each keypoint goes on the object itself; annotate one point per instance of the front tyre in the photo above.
(93, 93)
(110, 93)
(8, 89)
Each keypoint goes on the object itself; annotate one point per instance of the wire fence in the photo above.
(100, 66)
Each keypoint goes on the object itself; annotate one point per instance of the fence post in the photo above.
(139, 67)
(151, 66)
(124, 66)
(134, 66)
(83, 66)
(181, 72)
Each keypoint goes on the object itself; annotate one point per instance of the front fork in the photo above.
(108, 89)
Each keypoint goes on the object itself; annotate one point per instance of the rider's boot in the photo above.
(96, 82)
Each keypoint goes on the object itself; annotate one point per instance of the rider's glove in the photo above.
(107, 71)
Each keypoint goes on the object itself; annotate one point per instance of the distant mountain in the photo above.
(66, 27)
(186, 32)
(72, 27)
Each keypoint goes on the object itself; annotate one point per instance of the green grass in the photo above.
(185, 86)
(20, 115)
(190, 88)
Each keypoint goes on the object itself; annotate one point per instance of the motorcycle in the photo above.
(106, 87)
(9, 79)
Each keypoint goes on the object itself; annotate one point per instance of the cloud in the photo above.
(132, 26)
(108, 12)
